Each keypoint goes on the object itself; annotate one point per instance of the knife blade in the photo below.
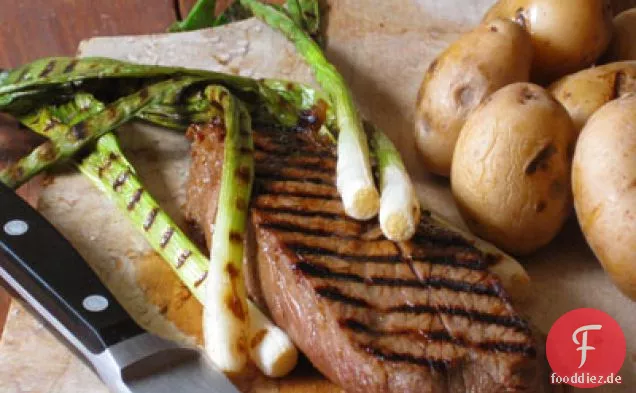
(42, 267)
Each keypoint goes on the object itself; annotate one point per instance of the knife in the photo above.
(50, 275)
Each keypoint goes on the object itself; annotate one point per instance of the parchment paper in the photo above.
(382, 48)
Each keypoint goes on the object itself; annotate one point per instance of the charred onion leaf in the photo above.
(71, 139)
(60, 78)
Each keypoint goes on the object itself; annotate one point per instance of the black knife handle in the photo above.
(51, 271)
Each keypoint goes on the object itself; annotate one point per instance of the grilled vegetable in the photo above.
(275, 354)
(71, 139)
(225, 314)
(604, 187)
(588, 90)
(43, 80)
(511, 168)
(399, 207)
(354, 178)
(473, 67)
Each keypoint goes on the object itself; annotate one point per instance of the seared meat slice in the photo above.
(374, 316)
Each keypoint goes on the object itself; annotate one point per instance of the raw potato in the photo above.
(586, 91)
(567, 35)
(604, 188)
(473, 67)
(623, 45)
(511, 168)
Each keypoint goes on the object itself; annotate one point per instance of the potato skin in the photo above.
(511, 168)
(476, 65)
(623, 45)
(586, 91)
(567, 35)
(604, 189)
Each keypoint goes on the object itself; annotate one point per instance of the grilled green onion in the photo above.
(274, 354)
(71, 139)
(399, 207)
(39, 82)
(225, 315)
(354, 177)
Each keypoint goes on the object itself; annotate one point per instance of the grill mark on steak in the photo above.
(285, 193)
(440, 335)
(297, 188)
(503, 320)
(303, 249)
(299, 212)
(436, 364)
(290, 144)
(292, 228)
(299, 205)
(319, 271)
(428, 235)
(300, 160)
(305, 175)
(335, 294)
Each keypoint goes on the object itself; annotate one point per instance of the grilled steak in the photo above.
(372, 315)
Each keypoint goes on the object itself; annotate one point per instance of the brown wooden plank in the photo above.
(39, 28)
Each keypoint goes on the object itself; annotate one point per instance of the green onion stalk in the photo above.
(225, 314)
(399, 206)
(275, 354)
(354, 177)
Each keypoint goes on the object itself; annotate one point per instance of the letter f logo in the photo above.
(583, 344)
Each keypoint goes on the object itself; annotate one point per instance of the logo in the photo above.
(586, 348)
